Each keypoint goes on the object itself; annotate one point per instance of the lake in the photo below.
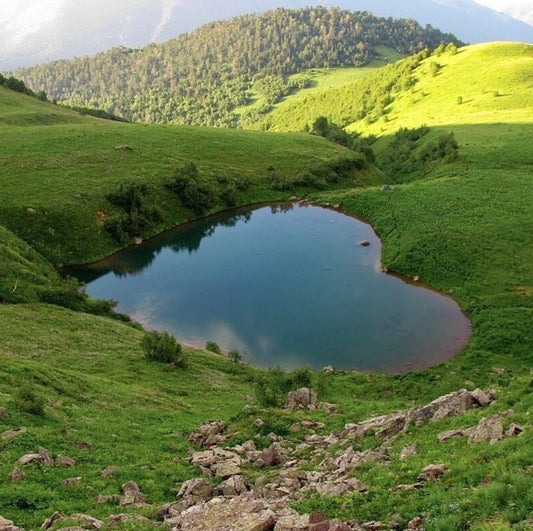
(286, 284)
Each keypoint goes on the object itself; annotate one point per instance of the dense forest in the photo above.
(202, 77)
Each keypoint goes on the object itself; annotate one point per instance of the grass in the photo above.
(465, 228)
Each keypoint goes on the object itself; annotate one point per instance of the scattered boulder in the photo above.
(386, 188)
(407, 487)
(71, 482)
(218, 514)
(327, 407)
(209, 434)
(64, 460)
(49, 522)
(4, 415)
(488, 429)
(87, 520)
(234, 486)
(482, 398)
(514, 429)
(42, 457)
(339, 488)
(303, 398)
(9, 434)
(416, 524)
(409, 451)
(293, 522)
(271, 456)
(16, 475)
(192, 492)
(132, 494)
(450, 434)
(109, 471)
(7, 525)
(432, 472)
(126, 517)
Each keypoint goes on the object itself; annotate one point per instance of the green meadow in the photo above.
(463, 226)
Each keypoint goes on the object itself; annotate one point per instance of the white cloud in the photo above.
(520, 9)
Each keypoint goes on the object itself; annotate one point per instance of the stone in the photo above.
(450, 434)
(488, 429)
(271, 456)
(209, 434)
(226, 469)
(364, 243)
(303, 398)
(327, 407)
(482, 398)
(109, 471)
(233, 486)
(386, 188)
(514, 429)
(132, 494)
(224, 514)
(9, 434)
(409, 451)
(293, 522)
(71, 482)
(416, 524)
(4, 415)
(259, 423)
(42, 457)
(339, 488)
(16, 475)
(199, 489)
(49, 522)
(63, 460)
(432, 472)
(84, 445)
(7, 525)
(125, 517)
(407, 487)
(87, 520)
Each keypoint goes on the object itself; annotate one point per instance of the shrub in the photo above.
(272, 386)
(161, 346)
(211, 346)
(29, 401)
(235, 356)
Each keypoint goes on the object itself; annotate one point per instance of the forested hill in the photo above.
(201, 77)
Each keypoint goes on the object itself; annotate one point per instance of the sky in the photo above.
(40, 26)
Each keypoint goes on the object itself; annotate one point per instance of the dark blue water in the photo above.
(284, 284)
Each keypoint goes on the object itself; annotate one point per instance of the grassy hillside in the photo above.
(466, 229)
(484, 83)
(58, 166)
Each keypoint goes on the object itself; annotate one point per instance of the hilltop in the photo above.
(201, 77)
(78, 386)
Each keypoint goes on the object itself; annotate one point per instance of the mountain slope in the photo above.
(482, 83)
(47, 35)
(191, 80)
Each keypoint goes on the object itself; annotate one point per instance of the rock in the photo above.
(226, 469)
(225, 514)
(293, 522)
(409, 451)
(87, 520)
(196, 490)
(42, 457)
(4, 415)
(327, 407)
(407, 488)
(259, 423)
(364, 243)
(71, 482)
(450, 434)
(132, 494)
(9, 434)
(432, 472)
(482, 398)
(514, 429)
(270, 457)
(488, 429)
(31, 210)
(328, 369)
(416, 524)
(84, 445)
(209, 434)
(49, 522)
(63, 460)
(7, 525)
(386, 188)
(137, 240)
(234, 486)
(109, 471)
(339, 488)
(16, 475)
(303, 398)
(125, 517)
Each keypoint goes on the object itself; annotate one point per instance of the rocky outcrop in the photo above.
(9, 434)
(132, 494)
(43, 456)
(209, 434)
(7, 525)
(303, 398)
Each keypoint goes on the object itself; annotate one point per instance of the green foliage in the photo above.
(28, 400)
(138, 216)
(272, 386)
(211, 346)
(235, 356)
(163, 347)
(200, 78)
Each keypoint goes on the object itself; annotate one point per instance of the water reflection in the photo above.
(286, 283)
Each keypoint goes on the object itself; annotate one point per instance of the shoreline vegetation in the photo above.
(75, 382)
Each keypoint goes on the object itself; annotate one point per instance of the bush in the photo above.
(211, 346)
(161, 346)
(272, 387)
(29, 401)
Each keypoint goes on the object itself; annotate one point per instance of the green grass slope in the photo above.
(466, 229)
(57, 168)
(483, 83)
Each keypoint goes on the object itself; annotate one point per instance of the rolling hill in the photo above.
(78, 385)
